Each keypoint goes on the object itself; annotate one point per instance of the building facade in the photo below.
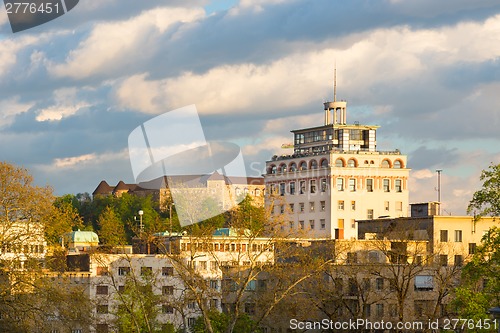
(336, 176)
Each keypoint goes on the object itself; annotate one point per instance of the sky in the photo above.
(426, 71)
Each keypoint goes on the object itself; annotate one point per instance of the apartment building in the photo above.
(335, 176)
(167, 276)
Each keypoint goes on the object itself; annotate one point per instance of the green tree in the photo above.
(220, 323)
(29, 300)
(486, 201)
(111, 229)
(481, 276)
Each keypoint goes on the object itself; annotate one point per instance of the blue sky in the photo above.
(427, 72)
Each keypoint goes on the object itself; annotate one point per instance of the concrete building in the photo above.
(178, 258)
(336, 176)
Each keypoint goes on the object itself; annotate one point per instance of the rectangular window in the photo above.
(458, 236)
(282, 209)
(399, 206)
(102, 308)
(367, 310)
(101, 290)
(341, 204)
(443, 260)
(387, 186)
(146, 271)
(322, 223)
(302, 186)
(291, 224)
(166, 308)
(301, 207)
(311, 206)
(292, 188)
(282, 189)
(380, 310)
(322, 205)
(472, 248)
(386, 206)
(167, 271)
(102, 270)
(191, 321)
(340, 184)
(424, 283)
(203, 265)
(311, 224)
(353, 205)
(443, 236)
(369, 214)
(340, 223)
(459, 260)
(398, 186)
(369, 185)
(167, 290)
(379, 282)
(312, 186)
(123, 270)
(291, 207)
(353, 224)
(301, 225)
(323, 184)
(352, 184)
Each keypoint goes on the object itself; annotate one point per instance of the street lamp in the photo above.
(141, 227)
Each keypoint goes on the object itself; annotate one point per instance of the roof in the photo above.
(231, 232)
(82, 237)
(103, 188)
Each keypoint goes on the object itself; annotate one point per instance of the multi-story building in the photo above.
(336, 176)
(228, 189)
(114, 281)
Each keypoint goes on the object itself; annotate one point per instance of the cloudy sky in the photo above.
(426, 71)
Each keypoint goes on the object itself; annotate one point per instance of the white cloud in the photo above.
(65, 105)
(11, 107)
(83, 161)
(116, 45)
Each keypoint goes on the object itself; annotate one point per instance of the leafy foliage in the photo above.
(486, 201)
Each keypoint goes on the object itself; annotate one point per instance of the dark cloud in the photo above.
(424, 157)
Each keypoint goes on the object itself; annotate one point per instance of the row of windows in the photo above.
(245, 191)
(443, 236)
(339, 163)
(312, 224)
(22, 248)
(352, 186)
(145, 270)
(225, 247)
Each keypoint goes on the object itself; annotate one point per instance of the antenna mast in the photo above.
(335, 83)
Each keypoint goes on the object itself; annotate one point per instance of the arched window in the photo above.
(238, 191)
(398, 164)
(282, 168)
(324, 163)
(303, 166)
(313, 164)
(385, 164)
(352, 163)
(366, 162)
(257, 192)
(339, 163)
(292, 167)
(272, 169)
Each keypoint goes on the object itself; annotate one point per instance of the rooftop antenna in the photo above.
(335, 82)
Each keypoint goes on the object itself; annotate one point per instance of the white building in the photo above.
(336, 176)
